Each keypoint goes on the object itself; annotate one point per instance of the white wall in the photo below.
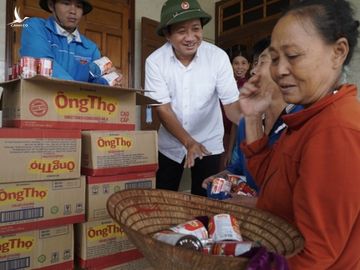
(2, 44)
(2, 38)
(355, 64)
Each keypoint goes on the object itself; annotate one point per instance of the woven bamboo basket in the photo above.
(141, 212)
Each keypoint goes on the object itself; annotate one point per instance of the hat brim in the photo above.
(198, 14)
(87, 7)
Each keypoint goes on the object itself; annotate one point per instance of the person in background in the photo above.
(272, 118)
(58, 39)
(241, 67)
(188, 76)
(311, 176)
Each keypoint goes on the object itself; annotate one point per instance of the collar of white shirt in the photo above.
(70, 36)
(173, 55)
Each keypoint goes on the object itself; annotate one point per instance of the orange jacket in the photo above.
(311, 178)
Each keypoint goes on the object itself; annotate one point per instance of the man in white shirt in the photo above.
(189, 76)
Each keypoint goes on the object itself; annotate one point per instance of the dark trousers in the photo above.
(170, 172)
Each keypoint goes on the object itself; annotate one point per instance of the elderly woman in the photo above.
(311, 176)
(272, 121)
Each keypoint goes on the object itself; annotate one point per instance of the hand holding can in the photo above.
(113, 78)
(100, 67)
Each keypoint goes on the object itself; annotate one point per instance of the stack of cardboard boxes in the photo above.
(56, 128)
(112, 161)
(37, 205)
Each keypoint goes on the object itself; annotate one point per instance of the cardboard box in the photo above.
(102, 244)
(50, 249)
(99, 188)
(37, 205)
(118, 152)
(39, 154)
(53, 103)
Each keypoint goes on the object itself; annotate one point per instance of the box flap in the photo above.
(39, 78)
(5, 83)
(141, 99)
(144, 100)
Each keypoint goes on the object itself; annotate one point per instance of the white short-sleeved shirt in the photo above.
(194, 92)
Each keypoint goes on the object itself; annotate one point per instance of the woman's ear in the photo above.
(341, 50)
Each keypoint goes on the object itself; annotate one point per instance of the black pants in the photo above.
(170, 172)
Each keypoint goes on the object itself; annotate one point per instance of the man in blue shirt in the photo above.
(58, 39)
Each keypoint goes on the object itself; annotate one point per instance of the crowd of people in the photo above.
(295, 118)
(309, 174)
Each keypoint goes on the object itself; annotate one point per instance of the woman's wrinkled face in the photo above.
(261, 68)
(302, 63)
(240, 66)
(185, 38)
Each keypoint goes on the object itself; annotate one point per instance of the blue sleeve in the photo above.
(238, 162)
(35, 43)
(239, 165)
(59, 72)
(96, 55)
(98, 80)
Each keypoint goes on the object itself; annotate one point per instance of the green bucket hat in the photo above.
(175, 11)
(87, 7)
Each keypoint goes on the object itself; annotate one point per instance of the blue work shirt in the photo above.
(238, 162)
(40, 39)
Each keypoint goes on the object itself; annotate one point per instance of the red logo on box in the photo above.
(38, 107)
